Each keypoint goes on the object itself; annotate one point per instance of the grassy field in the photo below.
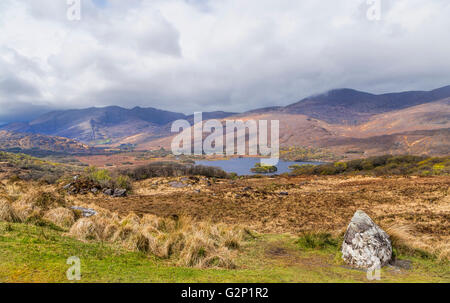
(30, 253)
(204, 228)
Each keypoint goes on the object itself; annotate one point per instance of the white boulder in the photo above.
(366, 245)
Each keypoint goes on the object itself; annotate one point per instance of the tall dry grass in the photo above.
(7, 212)
(62, 217)
(179, 239)
(404, 238)
(189, 243)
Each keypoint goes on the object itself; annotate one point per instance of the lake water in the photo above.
(243, 166)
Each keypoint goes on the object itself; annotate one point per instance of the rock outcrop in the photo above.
(84, 185)
(366, 245)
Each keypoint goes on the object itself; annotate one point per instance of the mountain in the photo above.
(420, 129)
(106, 125)
(27, 142)
(428, 116)
(420, 142)
(341, 120)
(348, 106)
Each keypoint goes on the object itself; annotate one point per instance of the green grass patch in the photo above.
(321, 241)
(31, 253)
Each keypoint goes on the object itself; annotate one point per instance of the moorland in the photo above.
(178, 222)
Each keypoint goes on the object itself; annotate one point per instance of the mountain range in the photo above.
(341, 120)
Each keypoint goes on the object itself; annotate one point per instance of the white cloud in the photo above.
(187, 55)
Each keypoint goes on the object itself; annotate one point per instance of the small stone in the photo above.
(85, 212)
(108, 192)
(177, 184)
(119, 192)
(284, 193)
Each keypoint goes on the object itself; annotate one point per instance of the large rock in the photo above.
(366, 245)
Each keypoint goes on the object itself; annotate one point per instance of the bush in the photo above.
(98, 175)
(170, 169)
(103, 179)
(264, 169)
(340, 166)
(123, 182)
(382, 165)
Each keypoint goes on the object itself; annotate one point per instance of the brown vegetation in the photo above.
(192, 221)
(193, 244)
(180, 239)
(302, 204)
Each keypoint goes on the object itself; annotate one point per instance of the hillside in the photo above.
(348, 106)
(423, 130)
(24, 142)
(99, 126)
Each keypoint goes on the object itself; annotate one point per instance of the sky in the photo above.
(205, 55)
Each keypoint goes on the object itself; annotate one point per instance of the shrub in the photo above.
(170, 169)
(99, 175)
(123, 182)
(340, 166)
(264, 169)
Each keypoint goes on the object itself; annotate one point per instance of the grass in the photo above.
(38, 254)
(317, 241)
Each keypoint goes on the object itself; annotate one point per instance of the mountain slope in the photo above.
(420, 142)
(341, 120)
(104, 125)
(429, 116)
(348, 106)
(421, 129)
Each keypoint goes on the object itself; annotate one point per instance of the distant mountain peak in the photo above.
(350, 106)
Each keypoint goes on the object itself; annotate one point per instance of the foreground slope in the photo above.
(39, 254)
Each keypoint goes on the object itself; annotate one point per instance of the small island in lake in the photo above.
(264, 169)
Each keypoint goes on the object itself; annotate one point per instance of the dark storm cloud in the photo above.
(16, 111)
(191, 55)
(13, 86)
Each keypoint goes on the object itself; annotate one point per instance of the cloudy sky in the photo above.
(234, 55)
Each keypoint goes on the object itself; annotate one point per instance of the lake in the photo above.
(243, 166)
